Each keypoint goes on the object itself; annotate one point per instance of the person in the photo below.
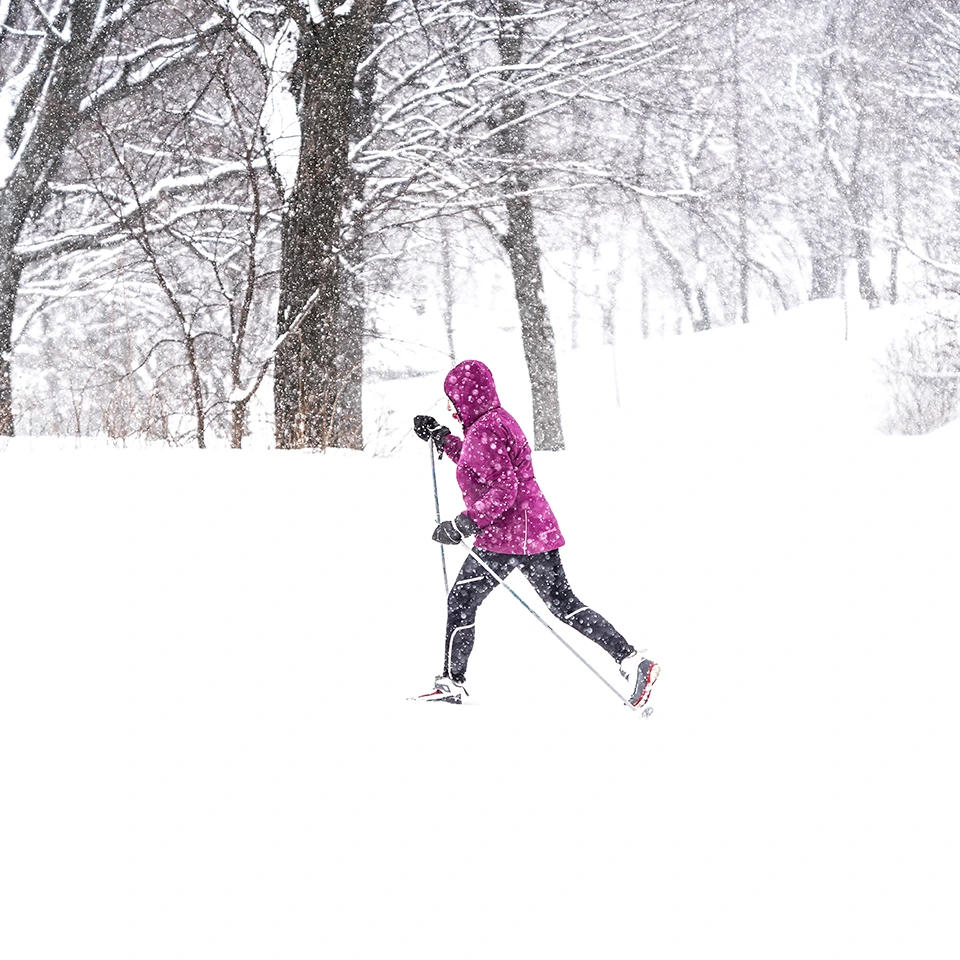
(515, 529)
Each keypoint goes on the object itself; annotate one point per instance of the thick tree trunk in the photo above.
(523, 251)
(318, 370)
(520, 242)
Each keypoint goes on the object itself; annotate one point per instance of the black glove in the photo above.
(453, 531)
(427, 428)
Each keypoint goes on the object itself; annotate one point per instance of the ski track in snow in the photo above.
(207, 746)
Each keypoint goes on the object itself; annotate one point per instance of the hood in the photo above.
(471, 389)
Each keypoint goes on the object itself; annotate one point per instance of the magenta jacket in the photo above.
(495, 468)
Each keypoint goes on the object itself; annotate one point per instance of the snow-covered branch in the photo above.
(144, 66)
(130, 215)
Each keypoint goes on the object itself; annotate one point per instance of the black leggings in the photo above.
(545, 572)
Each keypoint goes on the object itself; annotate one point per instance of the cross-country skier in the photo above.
(515, 530)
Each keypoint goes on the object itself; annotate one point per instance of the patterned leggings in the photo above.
(545, 573)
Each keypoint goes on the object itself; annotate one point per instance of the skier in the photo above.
(515, 530)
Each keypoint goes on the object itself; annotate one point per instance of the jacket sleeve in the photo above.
(485, 455)
(452, 446)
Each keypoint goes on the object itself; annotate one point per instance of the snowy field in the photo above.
(207, 750)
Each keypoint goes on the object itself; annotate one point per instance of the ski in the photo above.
(429, 698)
(644, 713)
(447, 691)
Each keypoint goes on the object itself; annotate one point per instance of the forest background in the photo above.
(217, 217)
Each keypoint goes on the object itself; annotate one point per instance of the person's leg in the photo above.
(546, 575)
(472, 586)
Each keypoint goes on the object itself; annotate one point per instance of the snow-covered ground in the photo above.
(207, 750)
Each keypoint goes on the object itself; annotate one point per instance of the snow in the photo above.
(10, 94)
(6, 159)
(279, 120)
(206, 745)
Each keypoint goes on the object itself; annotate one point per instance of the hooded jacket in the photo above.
(495, 468)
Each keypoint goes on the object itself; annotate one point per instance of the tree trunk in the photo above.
(449, 293)
(893, 282)
(644, 304)
(520, 241)
(740, 161)
(857, 197)
(318, 371)
(825, 236)
(238, 422)
(702, 318)
(826, 266)
(10, 268)
(522, 248)
(862, 252)
(196, 387)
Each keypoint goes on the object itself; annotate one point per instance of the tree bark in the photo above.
(523, 251)
(740, 161)
(520, 241)
(318, 370)
(825, 238)
(10, 268)
(449, 292)
(894, 276)
(826, 267)
(857, 189)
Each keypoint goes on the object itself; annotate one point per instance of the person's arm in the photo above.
(453, 447)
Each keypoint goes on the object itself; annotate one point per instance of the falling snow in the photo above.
(208, 749)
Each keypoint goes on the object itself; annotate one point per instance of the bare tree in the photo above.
(60, 64)
(479, 127)
(312, 53)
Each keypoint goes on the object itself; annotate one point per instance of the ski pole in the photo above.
(436, 500)
(530, 609)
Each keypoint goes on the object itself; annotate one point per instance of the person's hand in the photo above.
(453, 531)
(427, 428)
